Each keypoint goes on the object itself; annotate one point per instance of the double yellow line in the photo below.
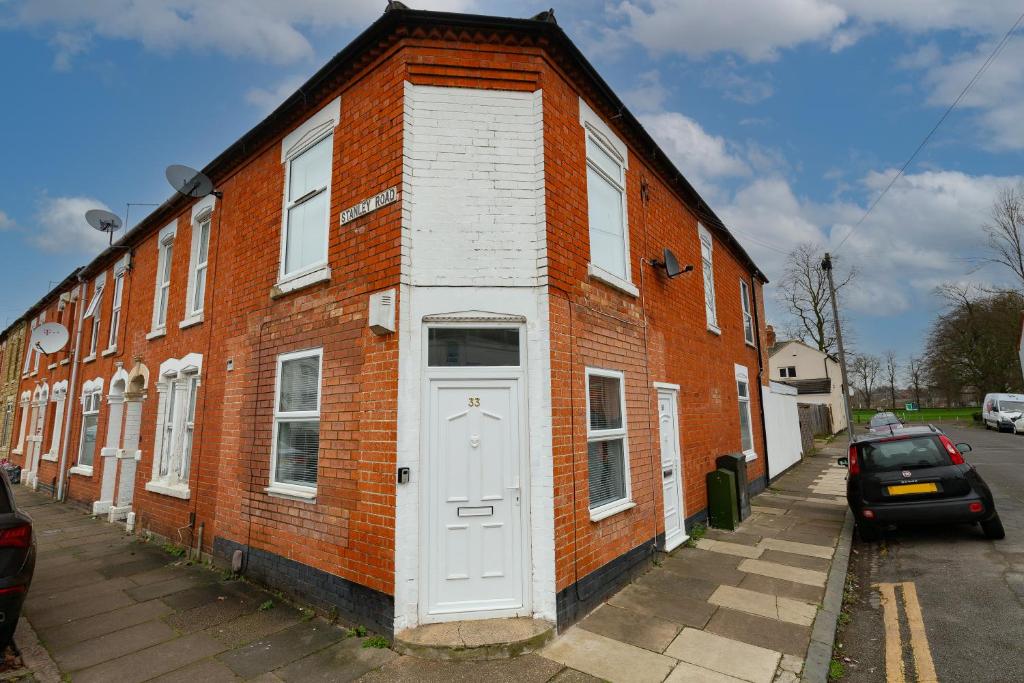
(923, 664)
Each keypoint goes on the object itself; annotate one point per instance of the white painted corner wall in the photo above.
(473, 240)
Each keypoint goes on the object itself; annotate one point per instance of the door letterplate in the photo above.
(480, 511)
(666, 473)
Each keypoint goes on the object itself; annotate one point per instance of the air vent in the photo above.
(382, 312)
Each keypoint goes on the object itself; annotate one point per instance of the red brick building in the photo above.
(418, 358)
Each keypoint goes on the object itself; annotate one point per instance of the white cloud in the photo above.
(6, 222)
(61, 227)
(266, 30)
(266, 100)
(755, 29)
(700, 156)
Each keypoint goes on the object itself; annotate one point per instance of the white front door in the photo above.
(476, 547)
(671, 469)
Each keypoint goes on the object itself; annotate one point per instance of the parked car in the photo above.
(918, 476)
(1003, 411)
(17, 560)
(884, 423)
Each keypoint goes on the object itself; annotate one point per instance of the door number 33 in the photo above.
(474, 402)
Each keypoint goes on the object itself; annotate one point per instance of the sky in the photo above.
(788, 116)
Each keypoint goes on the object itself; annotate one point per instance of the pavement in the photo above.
(740, 606)
(944, 603)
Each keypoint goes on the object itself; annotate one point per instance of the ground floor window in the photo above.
(176, 411)
(746, 423)
(92, 396)
(607, 448)
(296, 444)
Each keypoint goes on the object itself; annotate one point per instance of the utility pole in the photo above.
(826, 265)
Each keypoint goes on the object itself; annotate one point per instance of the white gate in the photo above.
(782, 424)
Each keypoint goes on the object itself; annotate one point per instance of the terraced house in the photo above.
(419, 357)
(12, 351)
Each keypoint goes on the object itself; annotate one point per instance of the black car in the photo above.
(916, 475)
(17, 560)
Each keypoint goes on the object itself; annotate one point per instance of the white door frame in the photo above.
(430, 374)
(672, 390)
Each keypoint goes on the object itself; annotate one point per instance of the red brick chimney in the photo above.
(770, 333)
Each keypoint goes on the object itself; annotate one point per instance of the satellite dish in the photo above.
(103, 220)
(49, 338)
(188, 181)
(671, 264)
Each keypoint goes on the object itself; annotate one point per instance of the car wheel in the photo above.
(868, 533)
(993, 528)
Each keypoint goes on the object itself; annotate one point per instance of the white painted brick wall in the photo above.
(473, 162)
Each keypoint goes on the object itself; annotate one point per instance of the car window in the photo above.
(920, 451)
(1011, 406)
(5, 500)
(884, 419)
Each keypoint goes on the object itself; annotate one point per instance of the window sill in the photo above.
(750, 455)
(51, 366)
(65, 361)
(50, 457)
(191, 320)
(302, 496)
(298, 282)
(16, 451)
(81, 470)
(90, 358)
(178, 491)
(605, 513)
(625, 286)
(156, 334)
(108, 351)
(714, 329)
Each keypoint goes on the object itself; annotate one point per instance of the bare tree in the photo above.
(803, 290)
(864, 371)
(915, 373)
(1006, 231)
(892, 369)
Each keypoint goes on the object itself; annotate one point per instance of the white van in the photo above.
(1002, 411)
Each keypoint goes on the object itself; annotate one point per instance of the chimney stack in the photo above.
(770, 333)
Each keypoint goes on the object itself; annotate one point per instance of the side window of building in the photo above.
(202, 225)
(708, 269)
(607, 447)
(93, 312)
(115, 311)
(607, 161)
(306, 208)
(296, 438)
(788, 372)
(165, 253)
(92, 397)
(746, 422)
(178, 387)
(748, 318)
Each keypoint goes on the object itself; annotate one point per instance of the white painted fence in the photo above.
(782, 424)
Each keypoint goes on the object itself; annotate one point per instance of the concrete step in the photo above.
(475, 640)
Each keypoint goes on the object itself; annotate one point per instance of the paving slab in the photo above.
(675, 608)
(255, 625)
(64, 635)
(672, 582)
(153, 661)
(53, 615)
(771, 634)
(203, 671)
(691, 673)
(796, 548)
(281, 648)
(635, 628)
(344, 661)
(705, 568)
(608, 659)
(112, 645)
(785, 572)
(802, 561)
(162, 588)
(529, 668)
(732, 536)
(736, 549)
(725, 655)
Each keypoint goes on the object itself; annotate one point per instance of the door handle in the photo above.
(517, 491)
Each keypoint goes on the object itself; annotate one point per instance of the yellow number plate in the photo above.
(904, 489)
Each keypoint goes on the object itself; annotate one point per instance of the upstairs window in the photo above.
(202, 225)
(708, 268)
(115, 311)
(607, 451)
(296, 444)
(306, 208)
(93, 311)
(748, 319)
(165, 253)
(606, 191)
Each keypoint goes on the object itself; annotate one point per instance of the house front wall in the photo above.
(13, 355)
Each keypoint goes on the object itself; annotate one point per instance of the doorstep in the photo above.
(756, 604)
(475, 640)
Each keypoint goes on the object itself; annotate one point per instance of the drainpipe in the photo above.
(760, 375)
(72, 391)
